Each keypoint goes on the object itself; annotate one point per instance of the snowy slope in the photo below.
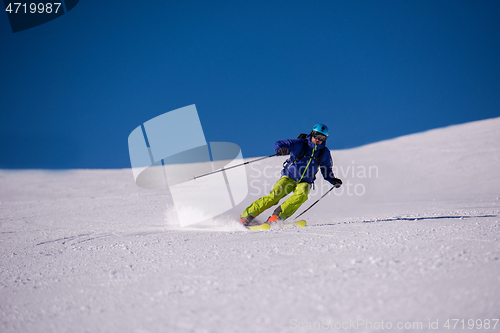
(411, 239)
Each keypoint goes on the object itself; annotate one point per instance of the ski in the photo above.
(263, 226)
(267, 226)
(298, 224)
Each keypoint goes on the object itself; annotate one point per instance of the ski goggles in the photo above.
(319, 136)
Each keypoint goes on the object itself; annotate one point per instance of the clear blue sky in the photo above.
(74, 88)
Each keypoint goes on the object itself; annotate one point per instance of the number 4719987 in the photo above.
(471, 324)
(18, 7)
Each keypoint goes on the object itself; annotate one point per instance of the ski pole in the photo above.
(234, 166)
(315, 202)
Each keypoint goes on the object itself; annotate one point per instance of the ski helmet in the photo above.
(320, 129)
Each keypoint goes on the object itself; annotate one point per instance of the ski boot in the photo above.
(246, 220)
(276, 215)
(273, 218)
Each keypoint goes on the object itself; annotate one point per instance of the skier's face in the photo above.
(317, 138)
(316, 141)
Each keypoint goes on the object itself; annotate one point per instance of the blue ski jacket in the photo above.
(305, 169)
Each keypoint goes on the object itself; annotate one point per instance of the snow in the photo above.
(412, 238)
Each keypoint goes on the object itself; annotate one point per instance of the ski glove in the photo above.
(336, 182)
(283, 151)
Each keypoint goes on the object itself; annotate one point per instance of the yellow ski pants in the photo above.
(281, 189)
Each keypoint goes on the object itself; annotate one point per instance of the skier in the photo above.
(307, 155)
